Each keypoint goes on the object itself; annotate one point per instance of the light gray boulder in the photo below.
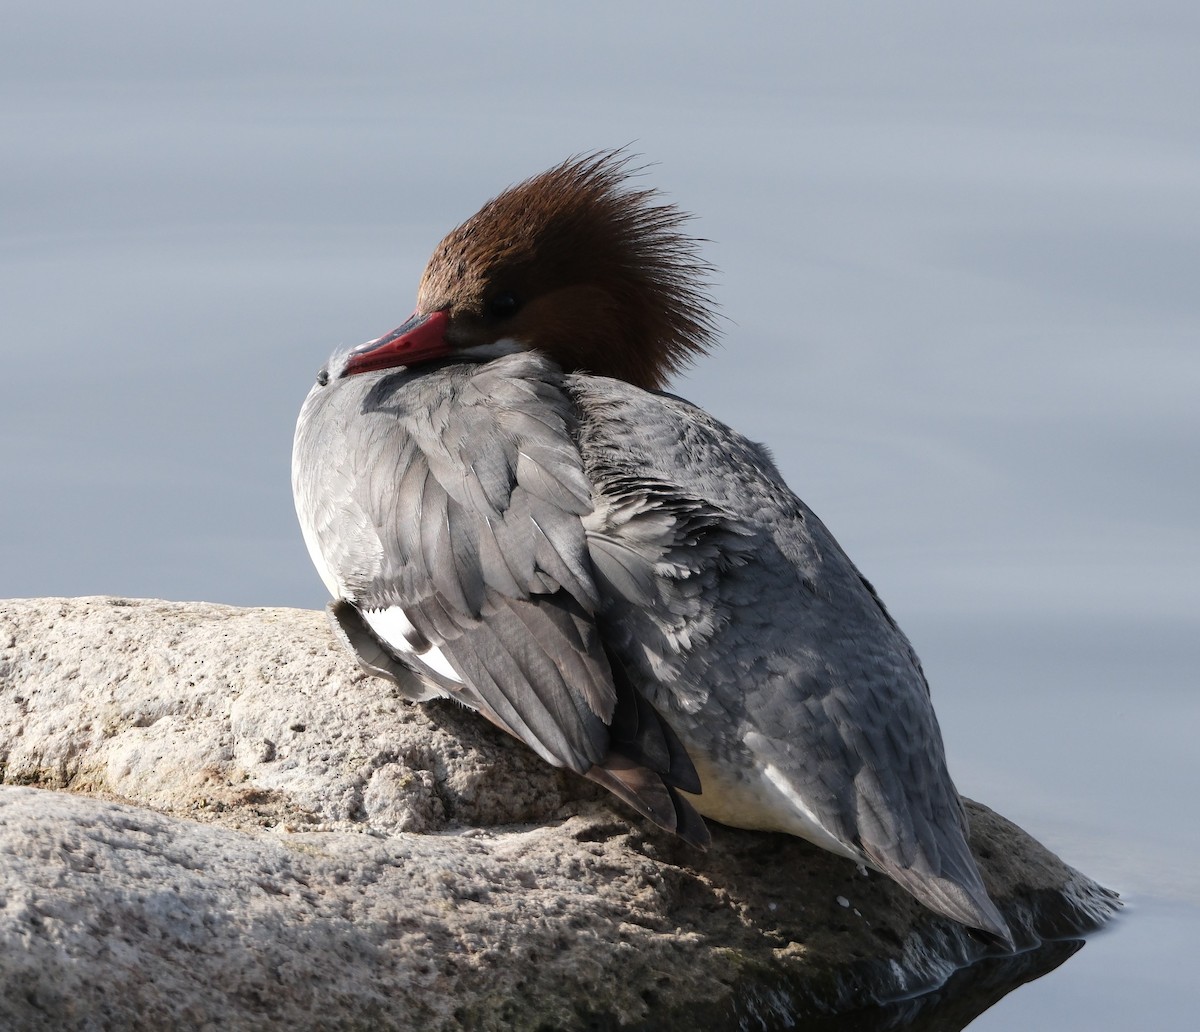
(212, 819)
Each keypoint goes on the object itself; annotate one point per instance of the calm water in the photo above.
(958, 255)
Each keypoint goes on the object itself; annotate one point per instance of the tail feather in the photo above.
(965, 900)
(647, 765)
(648, 793)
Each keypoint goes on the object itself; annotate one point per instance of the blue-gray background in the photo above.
(959, 250)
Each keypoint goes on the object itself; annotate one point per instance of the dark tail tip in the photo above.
(648, 792)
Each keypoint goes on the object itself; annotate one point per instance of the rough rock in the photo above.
(244, 831)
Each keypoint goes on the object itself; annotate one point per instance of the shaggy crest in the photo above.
(599, 274)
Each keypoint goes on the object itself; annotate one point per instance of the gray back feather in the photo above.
(744, 622)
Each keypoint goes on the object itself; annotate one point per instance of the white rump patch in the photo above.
(395, 630)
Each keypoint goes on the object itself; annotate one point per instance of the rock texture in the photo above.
(244, 831)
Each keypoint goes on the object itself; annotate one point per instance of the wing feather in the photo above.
(459, 499)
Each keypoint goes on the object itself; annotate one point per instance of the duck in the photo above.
(509, 510)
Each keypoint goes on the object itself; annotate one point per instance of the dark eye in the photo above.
(503, 305)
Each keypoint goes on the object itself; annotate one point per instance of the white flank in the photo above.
(393, 628)
(807, 825)
(763, 799)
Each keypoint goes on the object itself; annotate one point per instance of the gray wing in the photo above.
(456, 497)
(744, 622)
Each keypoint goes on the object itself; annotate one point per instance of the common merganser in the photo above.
(509, 512)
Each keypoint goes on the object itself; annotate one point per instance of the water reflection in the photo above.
(959, 1001)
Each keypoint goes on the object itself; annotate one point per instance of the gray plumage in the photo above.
(628, 586)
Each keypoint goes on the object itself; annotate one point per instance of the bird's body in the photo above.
(607, 572)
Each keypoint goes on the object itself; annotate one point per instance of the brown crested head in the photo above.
(580, 265)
